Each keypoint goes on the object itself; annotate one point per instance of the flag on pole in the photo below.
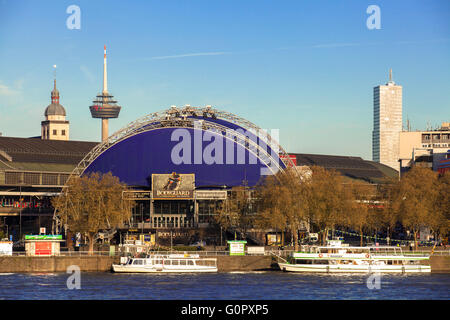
(432, 250)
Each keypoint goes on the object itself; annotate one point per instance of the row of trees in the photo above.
(327, 201)
(420, 199)
(318, 197)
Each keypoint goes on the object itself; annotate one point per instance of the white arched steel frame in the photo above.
(190, 117)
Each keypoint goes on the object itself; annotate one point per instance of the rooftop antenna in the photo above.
(105, 76)
(390, 76)
(55, 92)
(54, 76)
(104, 106)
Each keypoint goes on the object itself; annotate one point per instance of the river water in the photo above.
(270, 285)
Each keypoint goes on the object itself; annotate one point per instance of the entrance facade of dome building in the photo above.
(181, 164)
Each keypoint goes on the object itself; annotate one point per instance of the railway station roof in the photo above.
(35, 154)
(354, 168)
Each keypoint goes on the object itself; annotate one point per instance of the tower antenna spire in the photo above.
(104, 106)
(390, 75)
(105, 75)
(54, 76)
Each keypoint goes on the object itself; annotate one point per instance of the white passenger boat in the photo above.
(167, 263)
(337, 257)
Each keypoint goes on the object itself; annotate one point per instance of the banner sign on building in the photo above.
(44, 237)
(210, 194)
(6, 248)
(292, 157)
(174, 234)
(173, 186)
(273, 239)
(43, 249)
(237, 247)
(136, 195)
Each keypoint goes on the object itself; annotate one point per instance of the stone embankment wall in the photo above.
(55, 264)
(243, 263)
(439, 264)
(103, 263)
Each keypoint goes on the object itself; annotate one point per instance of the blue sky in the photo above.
(307, 68)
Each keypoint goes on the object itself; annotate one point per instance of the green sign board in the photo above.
(44, 237)
(237, 247)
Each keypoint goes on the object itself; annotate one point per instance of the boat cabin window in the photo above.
(298, 261)
(136, 262)
(182, 262)
(190, 263)
(175, 262)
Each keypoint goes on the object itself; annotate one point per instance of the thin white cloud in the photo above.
(355, 44)
(423, 41)
(176, 56)
(8, 91)
(18, 84)
(87, 73)
(335, 45)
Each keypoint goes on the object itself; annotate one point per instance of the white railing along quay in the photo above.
(65, 253)
(435, 253)
(200, 253)
(275, 252)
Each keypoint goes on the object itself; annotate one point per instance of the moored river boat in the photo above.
(337, 257)
(175, 263)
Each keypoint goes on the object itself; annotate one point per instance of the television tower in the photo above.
(104, 106)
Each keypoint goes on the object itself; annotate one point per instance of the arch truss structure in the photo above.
(244, 133)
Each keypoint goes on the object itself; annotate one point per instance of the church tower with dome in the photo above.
(55, 126)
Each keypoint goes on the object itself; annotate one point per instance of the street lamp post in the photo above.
(142, 218)
(7, 227)
(20, 209)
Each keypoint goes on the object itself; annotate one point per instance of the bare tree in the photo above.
(388, 216)
(415, 199)
(329, 200)
(361, 216)
(283, 202)
(237, 210)
(441, 222)
(91, 203)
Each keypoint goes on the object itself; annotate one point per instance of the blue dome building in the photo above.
(182, 162)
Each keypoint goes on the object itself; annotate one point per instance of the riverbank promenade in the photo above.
(101, 261)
